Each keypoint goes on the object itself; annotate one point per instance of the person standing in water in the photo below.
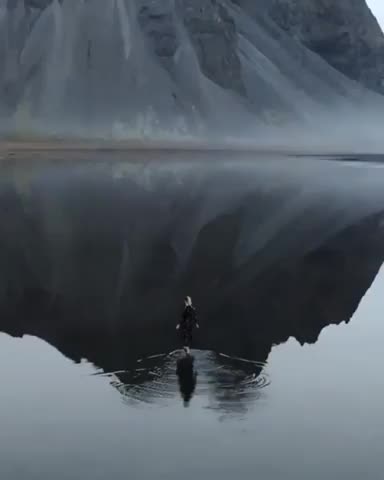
(187, 324)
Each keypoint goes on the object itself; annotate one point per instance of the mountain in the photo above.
(94, 255)
(344, 33)
(139, 67)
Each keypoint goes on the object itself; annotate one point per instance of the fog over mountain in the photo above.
(239, 70)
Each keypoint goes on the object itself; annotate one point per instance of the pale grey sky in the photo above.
(377, 7)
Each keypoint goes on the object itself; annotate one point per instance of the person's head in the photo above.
(188, 301)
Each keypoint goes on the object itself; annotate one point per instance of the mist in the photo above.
(108, 72)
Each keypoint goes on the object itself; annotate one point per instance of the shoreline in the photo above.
(140, 150)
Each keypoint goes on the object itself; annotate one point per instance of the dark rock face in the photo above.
(344, 32)
(156, 20)
(139, 64)
(211, 30)
(214, 36)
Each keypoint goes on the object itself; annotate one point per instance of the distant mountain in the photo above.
(345, 33)
(142, 66)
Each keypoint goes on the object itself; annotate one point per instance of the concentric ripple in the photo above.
(222, 382)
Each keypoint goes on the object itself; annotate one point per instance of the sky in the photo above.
(377, 7)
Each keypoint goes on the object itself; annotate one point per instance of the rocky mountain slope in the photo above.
(345, 33)
(93, 66)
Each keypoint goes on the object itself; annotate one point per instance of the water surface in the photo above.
(282, 258)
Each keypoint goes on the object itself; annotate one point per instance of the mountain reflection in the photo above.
(97, 259)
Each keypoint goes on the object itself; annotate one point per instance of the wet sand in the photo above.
(141, 150)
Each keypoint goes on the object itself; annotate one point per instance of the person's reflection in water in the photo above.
(187, 377)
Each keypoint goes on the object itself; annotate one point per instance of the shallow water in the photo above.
(282, 259)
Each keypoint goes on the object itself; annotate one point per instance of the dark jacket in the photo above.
(189, 318)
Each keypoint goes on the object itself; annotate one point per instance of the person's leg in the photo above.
(186, 339)
(189, 340)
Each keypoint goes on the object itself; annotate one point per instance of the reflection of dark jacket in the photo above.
(187, 378)
(189, 318)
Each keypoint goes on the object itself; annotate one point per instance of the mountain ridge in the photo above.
(139, 65)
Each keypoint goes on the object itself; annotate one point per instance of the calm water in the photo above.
(283, 259)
